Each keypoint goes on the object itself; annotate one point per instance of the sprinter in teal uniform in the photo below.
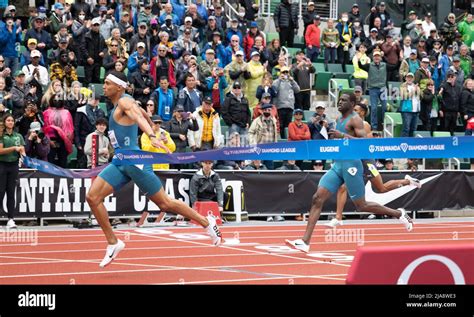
(350, 172)
(125, 119)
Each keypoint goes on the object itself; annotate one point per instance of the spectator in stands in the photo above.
(63, 45)
(145, 15)
(36, 75)
(10, 36)
(379, 12)
(429, 111)
(466, 28)
(143, 83)
(186, 43)
(410, 105)
(428, 24)
(467, 103)
(264, 129)
(232, 48)
(178, 128)
(95, 46)
(430, 43)
(258, 111)
(318, 165)
(103, 144)
(360, 75)
(59, 127)
(458, 70)
(81, 6)
(313, 39)
(330, 40)
(25, 57)
(20, 93)
(170, 46)
(216, 85)
(355, 14)
(466, 60)
(308, 17)
(30, 115)
(302, 70)
(391, 51)
(162, 66)
(417, 33)
(298, 130)
(12, 146)
(36, 142)
(112, 55)
(219, 56)
(286, 88)
(254, 76)
(5, 99)
(255, 165)
(151, 108)
(446, 61)
(345, 31)
(389, 166)
(80, 26)
(141, 37)
(317, 122)
(64, 70)
(435, 72)
(233, 141)
(266, 87)
(282, 62)
(259, 46)
(289, 165)
(286, 21)
(208, 136)
(409, 65)
(206, 185)
(122, 43)
(237, 70)
(84, 124)
(199, 21)
(408, 24)
(450, 93)
(212, 28)
(359, 36)
(75, 99)
(55, 88)
(374, 41)
(163, 96)
(132, 9)
(236, 112)
(189, 97)
(221, 18)
(135, 57)
(233, 30)
(42, 37)
(448, 29)
(164, 136)
(377, 86)
(423, 74)
(250, 38)
(168, 11)
(188, 24)
(421, 48)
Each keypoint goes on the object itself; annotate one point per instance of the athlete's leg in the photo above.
(321, 195)
(375, 208)
(341, 201)
(166, 203)
(95, 198)
(382, 187)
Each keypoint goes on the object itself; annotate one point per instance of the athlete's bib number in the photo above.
(113, 139)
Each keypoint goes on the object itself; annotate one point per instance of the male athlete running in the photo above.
(350, 172)
(125, 119)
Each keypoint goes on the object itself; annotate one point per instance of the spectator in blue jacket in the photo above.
(201, 9)
(164, 99)
(178, 9)
(168, 10)
(218, 48)
(446, 61)
(216, 85)
(25, 58)
(10, 37)
(233, 30)
(139, 54)
(127, 4)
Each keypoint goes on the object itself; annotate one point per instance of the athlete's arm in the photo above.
(358, 126)
(146, 116)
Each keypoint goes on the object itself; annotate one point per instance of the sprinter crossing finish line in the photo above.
(125, 119)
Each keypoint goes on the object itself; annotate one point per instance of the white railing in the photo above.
(229, 10)
(333, 5)
(388, 128)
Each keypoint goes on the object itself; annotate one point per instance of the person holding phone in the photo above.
(178, 128)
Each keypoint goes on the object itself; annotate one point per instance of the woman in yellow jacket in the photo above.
(146, 146)
(256, 71)
(360, 75)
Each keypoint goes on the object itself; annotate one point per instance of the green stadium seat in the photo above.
(299, 42)
(308, 114)
(224, 130)
(319, 67)
(271, 36)
(350, 69)
(422, 134)
(72, 158)
(293, 50)
(335, 68)
(438, 134)
(102, 74)
(396, 117)
(347, 76)
(81, 74)
(98, 90)
(340, 82)
(103, 106)
(322, 80)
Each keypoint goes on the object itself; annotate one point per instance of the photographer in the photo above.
(107, 23)
(302, 70)
(63, 70)
(286, 88)
(30, 115)
(318, 121)
(37, 143)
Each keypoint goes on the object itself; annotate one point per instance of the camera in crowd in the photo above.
(39, 134)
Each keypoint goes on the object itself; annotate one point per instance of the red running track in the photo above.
(176, 255)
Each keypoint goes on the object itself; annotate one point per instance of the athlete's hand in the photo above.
(335, 134)
(159, 145)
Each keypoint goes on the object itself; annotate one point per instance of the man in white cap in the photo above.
(232, 49)
(95, 47)
(410, 105)
(141, 36)
(409, 65)
(417, 32)
(308, 16)
(233, 30)
(423, 74)
(209, 63)
(43, 37)
(237, 70)
(35, 74)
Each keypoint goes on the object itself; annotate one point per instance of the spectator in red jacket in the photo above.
(313, 39)
(298, 130)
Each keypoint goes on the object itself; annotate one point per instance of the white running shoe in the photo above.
(413, 181)
(406, 220)
(298, 245)
(111, 253)
(334, 223)
(11, 224)
(213, 231)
